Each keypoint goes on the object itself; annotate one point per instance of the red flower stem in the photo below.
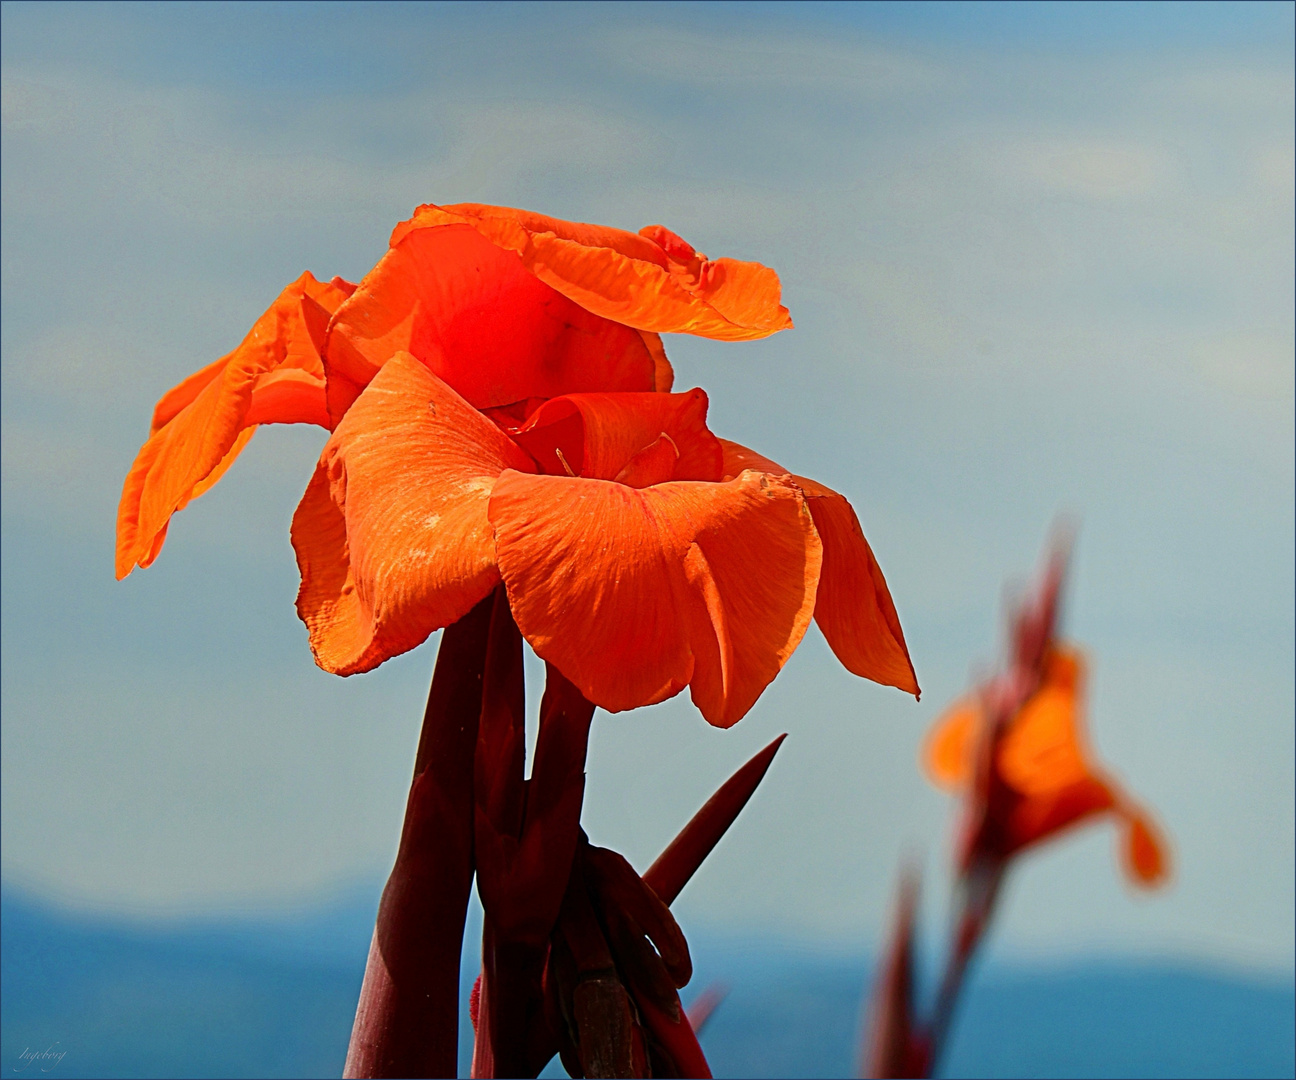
(677, 1037)
(508, 966)
(511, 1006)
(526, 834)
(407, 1020)
(979, 891)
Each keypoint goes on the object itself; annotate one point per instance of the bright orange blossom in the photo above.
(499, 403)
(502, 304)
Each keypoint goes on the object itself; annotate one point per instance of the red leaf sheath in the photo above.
(674, 866)
(896, 1045)
(526, 834)
(407, 1021)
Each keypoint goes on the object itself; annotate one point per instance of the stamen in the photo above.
(563, 461)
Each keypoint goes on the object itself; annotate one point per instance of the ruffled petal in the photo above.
(472, 312)
(652, 280)
(635, 593)
(1145, 854)
(950, 747)
(663, 373)
(274, 376)
(392, 536)
(174, 400)
(597, 435)
(855, 610)
(1041, 752)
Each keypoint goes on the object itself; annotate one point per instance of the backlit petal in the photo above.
(950, 748)
(481, 321)
(854, 610)
(663, 373)
(652, 280)
(635, 593)
(274, 376)
(1038, 817)
(175, 399)
(1041, 750)
(392, 536)
(1144, 852)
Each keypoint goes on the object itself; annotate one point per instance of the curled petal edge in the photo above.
(651, 280)
(201, 425)
(854, 610)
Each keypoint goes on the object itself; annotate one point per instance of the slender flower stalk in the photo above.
(976, 892)
(526, 837)
(407, 1021)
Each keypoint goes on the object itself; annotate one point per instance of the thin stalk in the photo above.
(407, 1020)
(526, 833)
(979, 891)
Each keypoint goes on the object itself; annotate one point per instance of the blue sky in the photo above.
(1039, 258)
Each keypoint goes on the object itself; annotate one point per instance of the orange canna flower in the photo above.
(640, 553)
(526, 432)
(507, 460)
(502, 304)
(1016, 748)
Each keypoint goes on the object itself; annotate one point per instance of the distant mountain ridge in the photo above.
(274, 996)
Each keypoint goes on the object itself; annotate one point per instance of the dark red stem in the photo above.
(526, 833)
(407, 1021)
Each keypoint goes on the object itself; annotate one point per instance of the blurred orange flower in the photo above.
(1038, 776)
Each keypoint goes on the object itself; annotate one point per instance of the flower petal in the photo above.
(854, 610)
(288, 396)
(392, 536)
(663, 373)
(472, 312)
(950, 746)
(652, 280)
(635, 593)
(599, 434)
(1038, 817)
(1041, 751)
(654, 464)
(274, 376)
(1144, 852)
